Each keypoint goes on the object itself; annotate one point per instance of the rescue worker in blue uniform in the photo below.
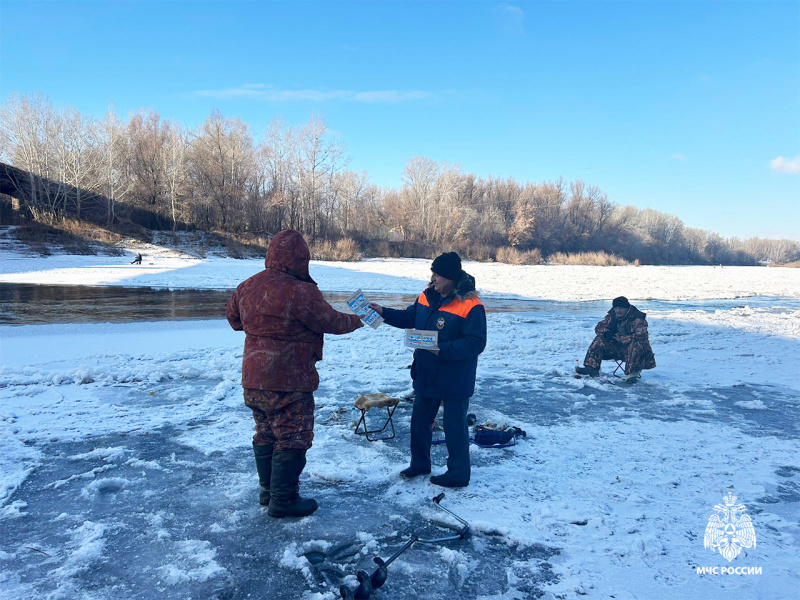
(449, 305)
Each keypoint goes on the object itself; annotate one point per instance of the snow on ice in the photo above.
(127, 471)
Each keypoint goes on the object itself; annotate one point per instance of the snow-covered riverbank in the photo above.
(164, 268)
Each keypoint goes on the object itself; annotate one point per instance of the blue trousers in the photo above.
(456, 434)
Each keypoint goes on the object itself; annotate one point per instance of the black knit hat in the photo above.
(447, 265)
(621, 302)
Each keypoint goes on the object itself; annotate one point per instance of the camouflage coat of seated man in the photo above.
(622, 335)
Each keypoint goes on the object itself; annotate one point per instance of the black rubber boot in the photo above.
(285, 500)
(587, 371)
(412, 471)
(263, 456)
(447, 479)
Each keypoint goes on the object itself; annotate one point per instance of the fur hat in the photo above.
(447, 265)
(621, 302)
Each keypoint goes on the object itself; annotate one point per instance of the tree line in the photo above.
(222, 176)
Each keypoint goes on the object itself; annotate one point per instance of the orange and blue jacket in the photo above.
(460, 319)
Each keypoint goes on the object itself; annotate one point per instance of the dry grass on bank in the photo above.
(241, 246)
(69, 236)
(210, 243)
(595, 259)
(479, 252)
(512, 256)
(345, 250)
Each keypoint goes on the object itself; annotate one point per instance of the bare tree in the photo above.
(222, 165)
(114, 165)
(175, 170)
(31, 129)
(662, 228)
(78, 149)
(352, 205)
(523, 225)
(277, 153)
(445, 211)
(419, 180)
(586, 213)
(147, 135)
(317, 157)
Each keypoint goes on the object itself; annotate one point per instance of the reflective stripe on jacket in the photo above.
(460, 320)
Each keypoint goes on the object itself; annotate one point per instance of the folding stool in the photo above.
(367, 401)
(621, 365)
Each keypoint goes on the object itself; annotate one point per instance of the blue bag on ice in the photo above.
(486, 437)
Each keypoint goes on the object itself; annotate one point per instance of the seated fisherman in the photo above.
(137, 260)
(622, 335)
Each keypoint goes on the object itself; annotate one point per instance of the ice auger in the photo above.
(367, 582)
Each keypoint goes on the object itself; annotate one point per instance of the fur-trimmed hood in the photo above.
(465, 287)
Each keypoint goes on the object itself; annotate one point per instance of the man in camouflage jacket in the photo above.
(284, 316)
(622, 335)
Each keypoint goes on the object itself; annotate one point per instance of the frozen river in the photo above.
(127, 472)
(28, 303)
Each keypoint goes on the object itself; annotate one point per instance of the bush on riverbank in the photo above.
(597, 259)
(343, 250)
(512, 256)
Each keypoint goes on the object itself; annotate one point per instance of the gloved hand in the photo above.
(608, 335)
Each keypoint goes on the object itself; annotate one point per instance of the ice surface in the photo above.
(126, 469)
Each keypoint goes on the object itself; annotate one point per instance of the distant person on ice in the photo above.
(622, 335)
(450, 306)
(284, 316)
(137, 260)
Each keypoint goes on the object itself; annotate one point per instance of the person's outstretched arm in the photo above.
(402, 319)
(320, 317)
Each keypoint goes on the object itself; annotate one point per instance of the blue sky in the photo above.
(690, 108)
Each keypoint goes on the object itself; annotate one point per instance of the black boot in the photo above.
(263, 456)
(587, 371)
(412, 471)
(285, 500)
(447, 479)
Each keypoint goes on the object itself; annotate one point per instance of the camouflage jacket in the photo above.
(632, 327)
(284, 316)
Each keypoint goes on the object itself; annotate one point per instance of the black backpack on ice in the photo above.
(496, 438)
